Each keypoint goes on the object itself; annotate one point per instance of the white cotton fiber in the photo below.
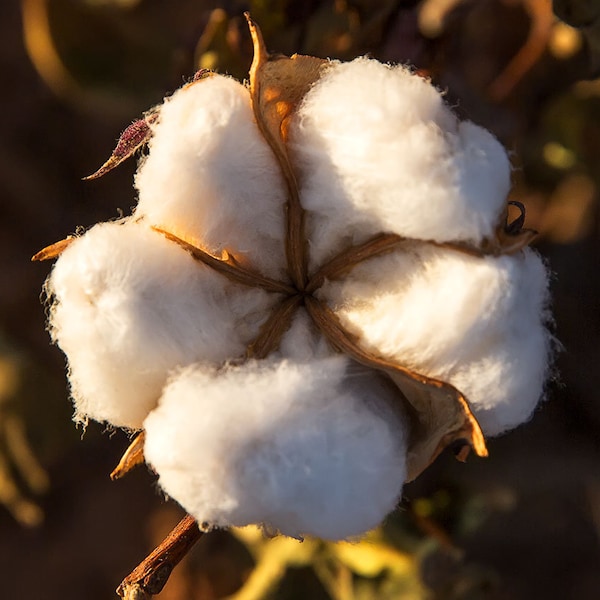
(306, 448)
(303, 341)
(377, 150)
(477, 323)
(129, 306)
(211, 178)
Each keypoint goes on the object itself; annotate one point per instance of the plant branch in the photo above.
(151, 575)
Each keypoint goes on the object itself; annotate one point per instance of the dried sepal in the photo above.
(151, 575)
(510, 237)
(133, 456)
(53, 250)
(440, 412)
(134, 137)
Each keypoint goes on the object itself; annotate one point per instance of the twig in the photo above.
(151, 575)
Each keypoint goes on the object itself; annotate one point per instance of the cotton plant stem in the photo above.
(151, 575)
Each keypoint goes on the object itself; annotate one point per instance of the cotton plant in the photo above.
(318, 292)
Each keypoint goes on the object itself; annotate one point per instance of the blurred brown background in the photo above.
(524, 523)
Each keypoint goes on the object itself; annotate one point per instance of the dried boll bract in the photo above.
(330, 209)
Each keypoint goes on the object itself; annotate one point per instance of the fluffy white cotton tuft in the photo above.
(303, 342)
(129, 306)
(477, 323)
(379, 151)
(211, 177)
(313, 448)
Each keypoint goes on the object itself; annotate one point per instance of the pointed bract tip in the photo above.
(52, 251)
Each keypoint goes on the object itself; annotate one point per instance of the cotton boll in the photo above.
(477, 323)
(313, 448)
(129, 306)
(211, 178)
(377, 150)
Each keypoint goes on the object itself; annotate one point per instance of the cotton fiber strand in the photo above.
(129, 306)
(477, 323)
(211, 177)
(313, 448)
(379, 151)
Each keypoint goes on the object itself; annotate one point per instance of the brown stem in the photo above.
(151, 575)
(230, 268)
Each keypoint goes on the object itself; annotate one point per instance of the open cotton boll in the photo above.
(457, 318)
(379, 151)
(315, 448)
(129, 306)
(210, 177)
